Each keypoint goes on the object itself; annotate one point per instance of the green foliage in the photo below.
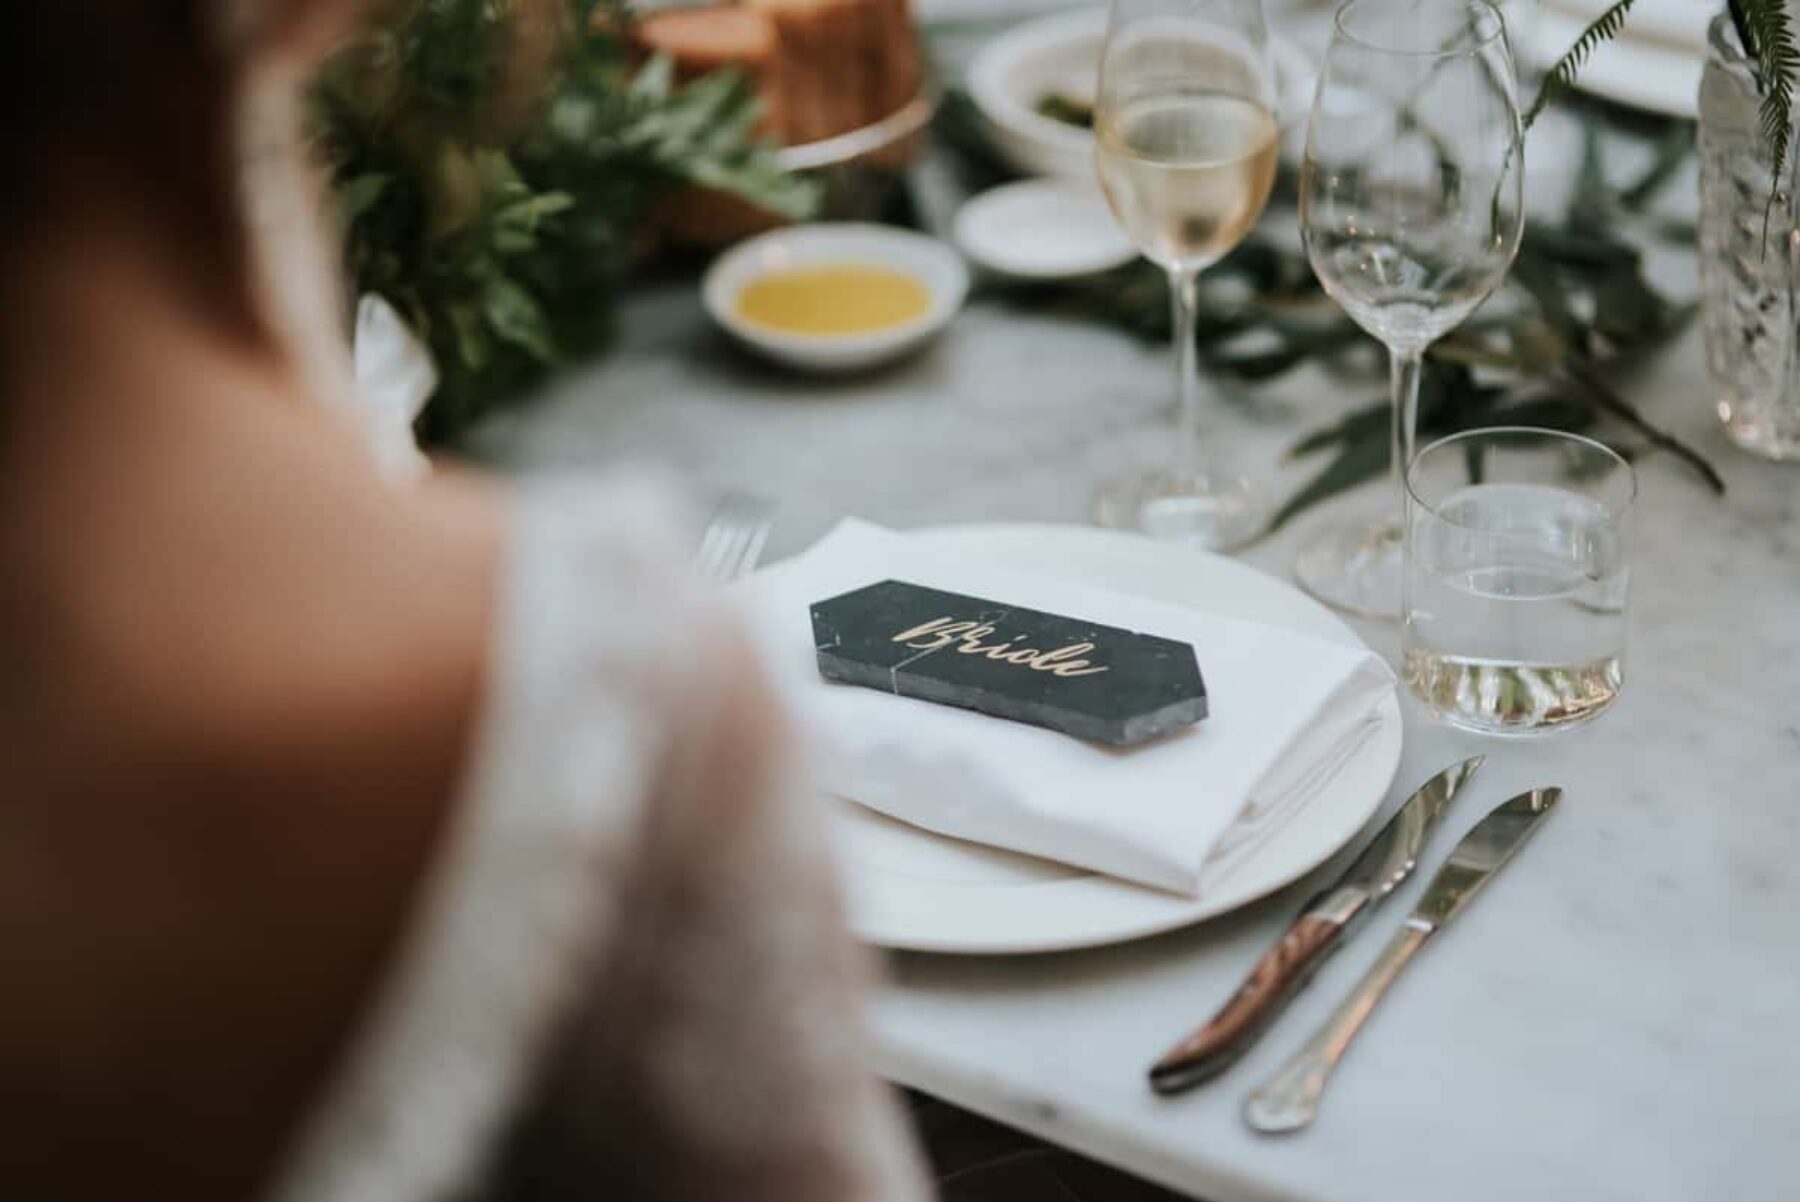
(1766, 31)
(1771, 46)
(503, 242)
(1577, 301)
(1562, 75)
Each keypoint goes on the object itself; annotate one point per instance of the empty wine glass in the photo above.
(1411, 207)
(1187, 141)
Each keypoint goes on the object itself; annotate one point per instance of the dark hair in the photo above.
(133, 95)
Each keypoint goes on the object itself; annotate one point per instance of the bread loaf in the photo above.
(823, 67)
(702, 40)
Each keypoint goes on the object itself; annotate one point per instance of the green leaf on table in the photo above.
(517, 318)
(1360, 460)
(1590, 199)
(358, 195)
(1370, 422)
(654, 80)
(1670, 151)
(515, 227)
(469, 332)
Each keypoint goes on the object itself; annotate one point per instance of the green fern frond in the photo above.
(1777, 56)
(1605, 27)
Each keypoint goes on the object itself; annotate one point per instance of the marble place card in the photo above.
(1094, 682)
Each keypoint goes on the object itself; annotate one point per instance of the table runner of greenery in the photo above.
(1577, 303)
(495, 177)
(504, 240)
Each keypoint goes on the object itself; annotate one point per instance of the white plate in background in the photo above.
(1042, 229)
(1013, 72)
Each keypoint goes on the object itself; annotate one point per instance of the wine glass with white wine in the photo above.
(1186, 146)
(1411, 207)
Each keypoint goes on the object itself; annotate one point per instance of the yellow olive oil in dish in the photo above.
(844, 298)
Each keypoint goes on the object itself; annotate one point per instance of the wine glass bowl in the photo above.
(1186, 145)
(1187, 139)
(1411, 210)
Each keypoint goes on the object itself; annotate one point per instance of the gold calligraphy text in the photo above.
(942, 632)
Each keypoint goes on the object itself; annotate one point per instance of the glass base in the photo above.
(1512, 700)
(1771, 430)
(1355, 569)
(1196, 510)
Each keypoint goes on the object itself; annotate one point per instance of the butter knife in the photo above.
(1290, 1099)
(1330, 917)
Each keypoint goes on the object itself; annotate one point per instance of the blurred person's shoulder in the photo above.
(209, 570)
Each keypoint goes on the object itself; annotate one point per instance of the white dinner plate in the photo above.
(919, 891)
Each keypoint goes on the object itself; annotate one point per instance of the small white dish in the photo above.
(914, 890)
(1010, 75)
(931, 262)
(1042, 229)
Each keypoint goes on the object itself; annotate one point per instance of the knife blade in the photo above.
(1322, 925)
(1290, 1099)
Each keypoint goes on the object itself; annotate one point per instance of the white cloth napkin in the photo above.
(394, 378)
(1287, 711)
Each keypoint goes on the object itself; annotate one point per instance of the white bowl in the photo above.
(1042, 229)
(929, 261)
(1012, 73)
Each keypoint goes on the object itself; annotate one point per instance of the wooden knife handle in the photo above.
(1276, 978)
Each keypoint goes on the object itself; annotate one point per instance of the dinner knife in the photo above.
(1290, 1099)
(1322, 925)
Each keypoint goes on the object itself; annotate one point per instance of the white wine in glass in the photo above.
(1188, 175)
(1186, 145)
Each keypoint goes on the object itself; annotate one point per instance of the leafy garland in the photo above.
(1577, 300)
(496, 196)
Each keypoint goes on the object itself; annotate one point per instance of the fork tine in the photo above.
(734, 538)
(742, 549)
(759, 538)
(707, 560)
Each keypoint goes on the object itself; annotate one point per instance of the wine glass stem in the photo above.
(1184, 298)
(1403, 377)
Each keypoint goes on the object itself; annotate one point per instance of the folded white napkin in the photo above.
(1287, 710)
(394, 378)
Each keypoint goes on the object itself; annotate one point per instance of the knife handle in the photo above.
(1281, 973)
(1289, 1100)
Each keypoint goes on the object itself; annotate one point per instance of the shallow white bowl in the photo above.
(1012, 73)
(931, 262)
(1042, 229)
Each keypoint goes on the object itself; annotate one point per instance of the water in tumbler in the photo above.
(1516, 607)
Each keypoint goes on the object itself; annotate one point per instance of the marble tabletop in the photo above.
(1616, 1021)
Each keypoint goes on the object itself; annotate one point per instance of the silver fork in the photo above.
(734, 538)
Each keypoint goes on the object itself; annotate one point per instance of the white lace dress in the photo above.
(615, 986)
